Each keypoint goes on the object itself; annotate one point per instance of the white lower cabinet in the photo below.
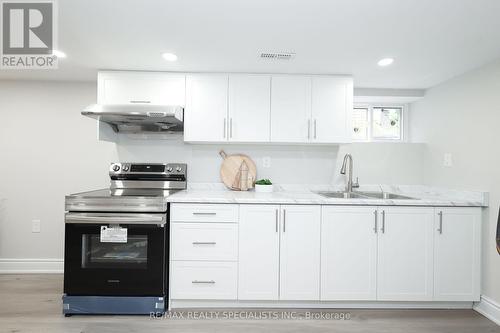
(279, 251)
(258, 252)
(457, 254)
(204, 280)
(263, 252)
(205, 241)
(405, 254)
(300, 252)
(204, 251)
(400, 253)
(348, 253)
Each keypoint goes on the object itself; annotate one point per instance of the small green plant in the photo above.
(263, 182)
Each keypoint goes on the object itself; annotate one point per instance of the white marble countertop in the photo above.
(303, 194)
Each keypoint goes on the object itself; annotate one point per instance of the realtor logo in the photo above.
(28, 35)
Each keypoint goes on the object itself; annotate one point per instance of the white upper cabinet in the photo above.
(348, 253)
(249, 108)
(245, 108)
(405, 255)
(331, 100)
(258, 252)
(290, 109)
(457, 254)
(300, 252)
(313, 109)
(205, 115)
(141, 88)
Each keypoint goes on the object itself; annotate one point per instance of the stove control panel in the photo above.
(149, 171)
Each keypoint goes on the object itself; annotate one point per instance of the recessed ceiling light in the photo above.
(169, 56)
(385, 62)
(59, 54)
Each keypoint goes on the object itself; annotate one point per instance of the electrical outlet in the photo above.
(448, 160)
(266, 162)
(35, 226)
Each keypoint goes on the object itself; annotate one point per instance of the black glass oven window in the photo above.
(130, 255)
(147, 168)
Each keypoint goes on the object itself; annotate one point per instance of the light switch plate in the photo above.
(266, 162)
(448, 160)
(35, 226)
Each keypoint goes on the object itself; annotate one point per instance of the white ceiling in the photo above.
(431, 40)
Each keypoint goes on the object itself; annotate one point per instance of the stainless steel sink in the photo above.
(363, 195)
(386, 195)
(341, 195)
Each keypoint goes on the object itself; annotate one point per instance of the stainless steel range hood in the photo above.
(134, 118)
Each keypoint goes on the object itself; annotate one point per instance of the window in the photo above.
(360, 124)
(378, 123)
(386, 123)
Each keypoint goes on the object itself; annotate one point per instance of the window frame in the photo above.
(370, 107)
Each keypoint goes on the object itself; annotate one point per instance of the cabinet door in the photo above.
(205, 115)
(300, 252)
(141, 88)
(331, 109)
(249, 108)
(457, 254)
(290, 109)
(405, 260)
(348, 253)
(258, 252)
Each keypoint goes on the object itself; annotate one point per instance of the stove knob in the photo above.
(116, 168)
(125, 168)
(169, 169)
(178, 169)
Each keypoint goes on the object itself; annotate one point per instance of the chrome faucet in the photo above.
(349, 185)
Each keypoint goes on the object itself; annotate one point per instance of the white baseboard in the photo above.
(488, 308)
(31, 266)
(183, 304)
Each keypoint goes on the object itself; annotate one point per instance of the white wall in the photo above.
(47, 150)
(462, 117)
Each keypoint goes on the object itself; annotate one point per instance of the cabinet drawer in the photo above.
(204, 213)
(204, 241)
(204, 280)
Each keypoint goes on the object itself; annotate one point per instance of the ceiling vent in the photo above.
(277, 55)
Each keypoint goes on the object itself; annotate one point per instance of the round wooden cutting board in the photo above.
(230, 170)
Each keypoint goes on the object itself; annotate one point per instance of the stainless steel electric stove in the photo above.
(116, 241)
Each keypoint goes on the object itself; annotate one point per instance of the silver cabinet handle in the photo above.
(140, 102)
(231, 128)
(375, 213)
(204, 213)
(277, 218)
(383, 222)
(440, 229)
(315, 128)
(224, 128)
(308, 129)
(204, 243)
(284, 220)
(203, 281)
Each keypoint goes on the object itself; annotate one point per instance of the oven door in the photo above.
(136, 266)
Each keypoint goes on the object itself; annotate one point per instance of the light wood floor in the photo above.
(32, 303)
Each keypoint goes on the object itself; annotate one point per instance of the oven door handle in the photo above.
(99, 219)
